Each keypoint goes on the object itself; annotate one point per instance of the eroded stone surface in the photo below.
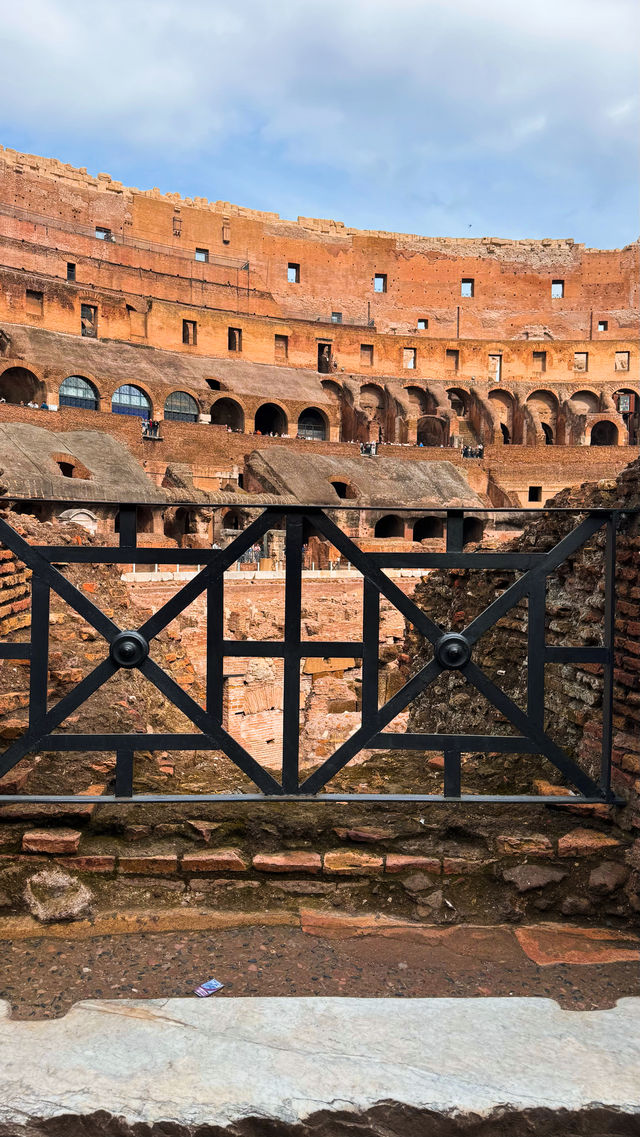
(317, 1065)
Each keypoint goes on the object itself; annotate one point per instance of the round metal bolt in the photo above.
(453, 651)
(129, 649)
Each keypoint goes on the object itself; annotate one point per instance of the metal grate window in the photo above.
(181, 407)
(78, 392)
(130, 400)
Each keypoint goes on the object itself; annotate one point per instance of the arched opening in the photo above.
(66, 469)
(472, 530)
(181, 407)
(20, 386)
(543, 406)
(501, 403)
(226, 412)
(312, 424)
(344, 490)
(432, 431)
(428, 528)
(76, 391)
(389, 526)
(130, 400)
(420, 402)
(460, 401)
(604, 434)
(585, 403)
(233, 520)
(270, 419)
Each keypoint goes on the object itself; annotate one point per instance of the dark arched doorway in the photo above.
(19, 385)
(226, 412)
(312, 424)
(428, 528)
(604, 434)
(270, 419)
(389, 526)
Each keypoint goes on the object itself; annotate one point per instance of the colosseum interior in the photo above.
(203, 360)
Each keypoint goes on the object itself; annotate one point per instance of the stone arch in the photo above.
(331, 387)
(421, 402)
(131, 399)
(432, 431)
(502, 405)
(460, 401)
(313, 423)
(604, 433)
(78, 391)
(20, 385)
(389, 526)
(270, 419)
(344, 489)
(585, 402)
(180, 406)
(543, 406)
(428, 528)
(229, 413)
(234, 520)
(472, 530)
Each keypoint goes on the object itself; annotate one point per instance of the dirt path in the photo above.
(43, 977)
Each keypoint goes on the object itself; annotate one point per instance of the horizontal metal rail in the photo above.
(448, 651)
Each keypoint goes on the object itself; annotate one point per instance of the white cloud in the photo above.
(413, 93)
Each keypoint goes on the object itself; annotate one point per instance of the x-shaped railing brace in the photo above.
(129, 649)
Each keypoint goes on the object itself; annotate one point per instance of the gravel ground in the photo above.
(42, 978)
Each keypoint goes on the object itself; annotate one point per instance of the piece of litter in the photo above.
(208, 988)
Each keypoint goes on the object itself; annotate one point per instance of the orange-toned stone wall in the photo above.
(512, 279)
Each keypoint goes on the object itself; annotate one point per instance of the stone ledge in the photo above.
(322, 1066)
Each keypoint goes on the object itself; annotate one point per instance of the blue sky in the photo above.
(441, 117)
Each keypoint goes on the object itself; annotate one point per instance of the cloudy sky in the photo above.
(445, 117)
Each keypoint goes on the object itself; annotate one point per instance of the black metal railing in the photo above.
(128, 649)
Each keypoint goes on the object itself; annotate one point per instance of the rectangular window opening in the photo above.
(409, 355)
(293, 273)
(366, 355)
(603, 325)
(34, 302)
(535, 493)
(282, 348)
(177, 226)
(71, 270)
(234, 339)
(380, 282)
(89, 320)
(202, 255)
(226, 234)
(423, 324)
(103, 234)
(539, 361)
(495, 368)
(621, 361)
(336, 317)
(581, 361)
(190, 332)
(467, 286)
(452, 359)
(557, 289)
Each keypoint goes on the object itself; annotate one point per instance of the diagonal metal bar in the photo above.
(358, 740)
(210, 727)
(372, 573)
(568, 545)
(47, 723)
(59, 583)
(219, 562)
(529, 728)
